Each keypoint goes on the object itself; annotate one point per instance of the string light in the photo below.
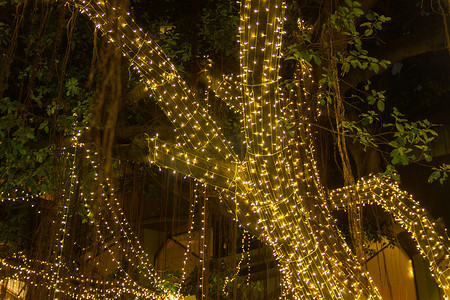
(144, 267)
(278, 181)
(191, 228)
(246, 252)
(49, 276)
(277, 187)
(432, 241)
(203, 245)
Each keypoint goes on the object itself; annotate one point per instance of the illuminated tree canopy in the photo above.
(274, 189)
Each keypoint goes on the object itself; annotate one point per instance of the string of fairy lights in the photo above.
(268, 153)
(196, 128)
(203, 246)
(275, 190)
(296, 244)
(189, 234)
(13, 197)
(67, 195)
(72, 286)
(228, 88)
(60, 284)
(430, 239)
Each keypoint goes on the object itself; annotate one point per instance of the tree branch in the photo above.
(195, 127)
(226, 88)
(215, 172)
(430, 236)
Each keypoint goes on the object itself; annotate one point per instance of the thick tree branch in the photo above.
(193, 163)
(432, 238)
(195, 127)
(169, 155)
(214, 172)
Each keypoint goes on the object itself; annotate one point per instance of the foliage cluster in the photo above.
(38, 110)
(374, 120)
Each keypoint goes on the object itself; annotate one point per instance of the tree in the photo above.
(275, 189)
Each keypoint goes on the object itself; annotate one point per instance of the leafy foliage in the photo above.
(377, 123)
(32, 116)
(440, 173)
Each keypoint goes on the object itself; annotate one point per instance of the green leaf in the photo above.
(405, 160)
(317, 60)
(43, 125)
(384, 63)
(395, 157)
(365, 121)
(371, 99)
(380, 105)
(371, 16)
(368, 32)
(306, 37)
(443, 178)
(375, 67)
(349, 3)
(432, 132)
(346, 68)
(384, 19)
(358, 12)
(435, 175)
